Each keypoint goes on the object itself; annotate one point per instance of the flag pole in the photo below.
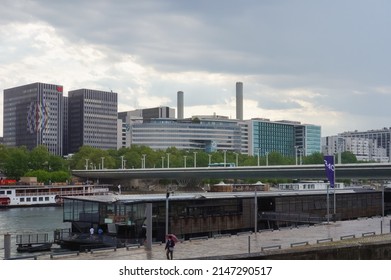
(328, 204)
(330, 170)
(334, 190)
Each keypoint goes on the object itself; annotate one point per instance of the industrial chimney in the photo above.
(239, 101)
(180, 105)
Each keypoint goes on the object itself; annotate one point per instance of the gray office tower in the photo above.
(92, 119)
(180, 105)
(239, 101)
(32, 116)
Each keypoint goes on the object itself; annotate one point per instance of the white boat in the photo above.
(37, 195)
(308, 185)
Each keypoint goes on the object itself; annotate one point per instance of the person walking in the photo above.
(170, 244)
(92, 232)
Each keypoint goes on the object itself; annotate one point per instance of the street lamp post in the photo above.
(210, 159)
(237, 158)
(267, 158)
(296, 147)
(184, 161)
(168, 160)
(258, 155)
(225, 158)
(143, 161)
(255, 210)
(162, 162)
(103, 161)
(122, 162)
(167, 196)
(195, 159)
(86, 163)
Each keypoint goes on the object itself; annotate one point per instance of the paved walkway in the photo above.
(246, 242)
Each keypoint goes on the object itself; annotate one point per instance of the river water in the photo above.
(29, 220)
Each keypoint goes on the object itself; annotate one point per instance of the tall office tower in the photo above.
(32, 116)
(65, 126)
(180, 105)
(239, 101)
(92, 119)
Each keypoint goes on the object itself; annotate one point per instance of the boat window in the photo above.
(9, 192)
(22, 199)
(34, 199)
(46, 198)
(28, 199)
(40, 199)
(2, 192)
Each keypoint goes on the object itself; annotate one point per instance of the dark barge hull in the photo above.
(34, 248)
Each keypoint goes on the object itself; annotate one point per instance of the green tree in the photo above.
(3, 157)
(276, 158)
(315, 158)
(57, 163)
(16, 163)
(92, 156)
(39, 158)
(348, 157)
(43, 176)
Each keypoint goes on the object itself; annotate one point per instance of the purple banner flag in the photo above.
(329, 167)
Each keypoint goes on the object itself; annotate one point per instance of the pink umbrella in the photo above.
(173, 237)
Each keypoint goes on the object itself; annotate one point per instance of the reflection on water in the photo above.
(29, 220)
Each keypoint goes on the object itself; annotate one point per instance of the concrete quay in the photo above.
(246, 244)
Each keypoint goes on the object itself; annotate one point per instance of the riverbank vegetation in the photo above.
(21, 162)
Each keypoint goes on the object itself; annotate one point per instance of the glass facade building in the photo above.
(308, 138)
(33, 116)
(205, 134)
(270, 136)
(284, 137)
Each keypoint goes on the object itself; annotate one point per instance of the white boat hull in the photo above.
(17, 196)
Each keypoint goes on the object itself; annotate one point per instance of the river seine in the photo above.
(29, 220)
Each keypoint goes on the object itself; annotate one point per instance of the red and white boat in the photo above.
(37, 195)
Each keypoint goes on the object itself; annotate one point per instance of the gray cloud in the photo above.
(336, 52)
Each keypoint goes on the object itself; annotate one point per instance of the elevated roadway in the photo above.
(380, 171)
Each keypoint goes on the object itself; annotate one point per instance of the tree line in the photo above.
(16, 162)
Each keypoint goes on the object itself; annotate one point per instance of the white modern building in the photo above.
(188, 134)
(365, 149)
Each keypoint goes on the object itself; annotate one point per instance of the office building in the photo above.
(92, 119)
(267, 136)
(288, 138)
(33, 116)
(381, 137)
(365, 149)
(208, 133)
(307, 139)
(147, 114)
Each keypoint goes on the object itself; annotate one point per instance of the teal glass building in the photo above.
(284, 137)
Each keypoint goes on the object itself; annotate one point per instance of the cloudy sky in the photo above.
(320, 62)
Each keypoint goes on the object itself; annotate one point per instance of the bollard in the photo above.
(7, 246)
